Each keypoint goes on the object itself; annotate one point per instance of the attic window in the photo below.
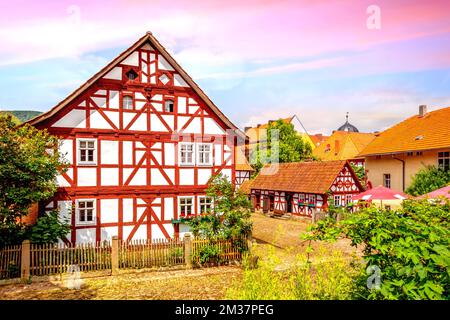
(127, 102)
(132, 75)
(168, 106)
(419, 137)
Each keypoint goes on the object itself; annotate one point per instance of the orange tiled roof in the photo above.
(431, 131)
(343, 145)
(317, 139)
(309, 177)
(245, 187)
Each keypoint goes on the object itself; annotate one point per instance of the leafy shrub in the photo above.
(209, 254)
(428, 179)
(410, 247)
(49, 228)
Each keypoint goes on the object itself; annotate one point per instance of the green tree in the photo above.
(49, 228)
(428, 179)
(411, 248)
(283, 140)
(360, 172)
(230, 216)
(29, 163)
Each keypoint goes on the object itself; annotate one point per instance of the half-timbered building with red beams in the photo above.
(298, 188)
(141, 140)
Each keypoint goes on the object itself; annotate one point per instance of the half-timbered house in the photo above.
(141, 140)
(300, 187)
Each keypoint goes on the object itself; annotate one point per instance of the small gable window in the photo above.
(168, 106)
(127, 102)
(132, 75)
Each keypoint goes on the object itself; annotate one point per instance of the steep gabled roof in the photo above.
(432, 131)
(308, 177)
(343, 145)
(148, 37)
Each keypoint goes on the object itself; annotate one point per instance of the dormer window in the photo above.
(168, 106)
(132, 75)
(127, 103)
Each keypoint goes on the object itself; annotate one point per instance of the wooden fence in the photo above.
(29, 260)
(48, 259)
(148, 253)
(10, 258)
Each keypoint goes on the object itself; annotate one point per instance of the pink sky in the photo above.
(231, 43)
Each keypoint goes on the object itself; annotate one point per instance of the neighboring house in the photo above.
(344, 145)
(258, 134)
(398, 153)
(142, 140)
(243, 169)
(317, 139)
(300, 187)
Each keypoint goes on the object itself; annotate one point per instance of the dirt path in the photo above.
(207, 283)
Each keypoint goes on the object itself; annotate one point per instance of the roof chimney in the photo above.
(247, 128)
(422, 110)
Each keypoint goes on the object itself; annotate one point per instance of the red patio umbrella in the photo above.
(380, 193)
(442, 192)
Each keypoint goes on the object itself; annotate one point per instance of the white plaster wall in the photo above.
(109, 151)
(163, 64)
(194, 126)
(109, 210)
(168, 208)
(211, 127)
(61, 181)
(66, 150)
(132, 59)
(114, 74)
(73, 119)
(169, 153)
(157, 233)
(109, 176)
(156, 124)
(169, 119)
(157, 179)
(184, 228)
(114, 99)
(140, 124)
(113, 116)
(218, 154)
(203, 176)
(179, 81)
(108, 232)
(140, 178)
(127, 152)
(99, 101)
(227, 172)
(85, 235)
(97, 121)
(127, 210)
(186, 177)
(182, 104)
(87, 176)
(64, 210)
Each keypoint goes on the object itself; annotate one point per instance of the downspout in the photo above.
(403, 172)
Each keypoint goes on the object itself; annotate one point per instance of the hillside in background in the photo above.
(22, 115)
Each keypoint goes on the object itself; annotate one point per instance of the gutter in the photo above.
(403, 172)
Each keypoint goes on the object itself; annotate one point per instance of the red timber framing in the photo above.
(301, 203)
(136, 178)
(242, 176)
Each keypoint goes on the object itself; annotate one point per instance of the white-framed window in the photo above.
(127, 102)
(186, 205)
(348, 199)
(168, 106)
(87, 151)
(204, 204)
(337, 200)
(444, 160)
(204, 154)
(387, 180)
(132, 75)
(85, 211)
(312, 199)
(186, 153)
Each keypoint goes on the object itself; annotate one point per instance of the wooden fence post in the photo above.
(25, 262)
(187, 250)
(115, 255)
(250, 243)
